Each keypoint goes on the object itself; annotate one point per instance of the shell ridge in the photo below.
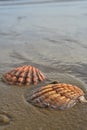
(44, 88)
(28, 79)
(35, 79)
(43, 77)
(44, 101)
(24, 75)
(39, 76)
(35, 95)
(57, 96)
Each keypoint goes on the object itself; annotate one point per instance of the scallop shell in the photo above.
(24, 75)
(56, 96)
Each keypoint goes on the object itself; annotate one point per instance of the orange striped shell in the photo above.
(56, 96)
(24, 75)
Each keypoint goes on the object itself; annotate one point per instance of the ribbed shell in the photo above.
(24, 75)
(56, 96)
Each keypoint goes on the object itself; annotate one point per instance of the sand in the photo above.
(51, 37)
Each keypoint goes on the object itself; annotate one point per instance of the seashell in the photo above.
(57, 96)
(24, 75)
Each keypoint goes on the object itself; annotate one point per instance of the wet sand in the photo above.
(52, 37)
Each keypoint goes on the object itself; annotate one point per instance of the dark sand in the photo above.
(53, 38)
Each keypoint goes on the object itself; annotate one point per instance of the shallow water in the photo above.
(51, 36)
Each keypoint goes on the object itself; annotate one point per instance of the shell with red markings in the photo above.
(57, 96)
(24, 75)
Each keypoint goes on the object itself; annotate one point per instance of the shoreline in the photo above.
(13, 3)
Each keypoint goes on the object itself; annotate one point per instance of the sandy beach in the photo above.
(51, 36)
